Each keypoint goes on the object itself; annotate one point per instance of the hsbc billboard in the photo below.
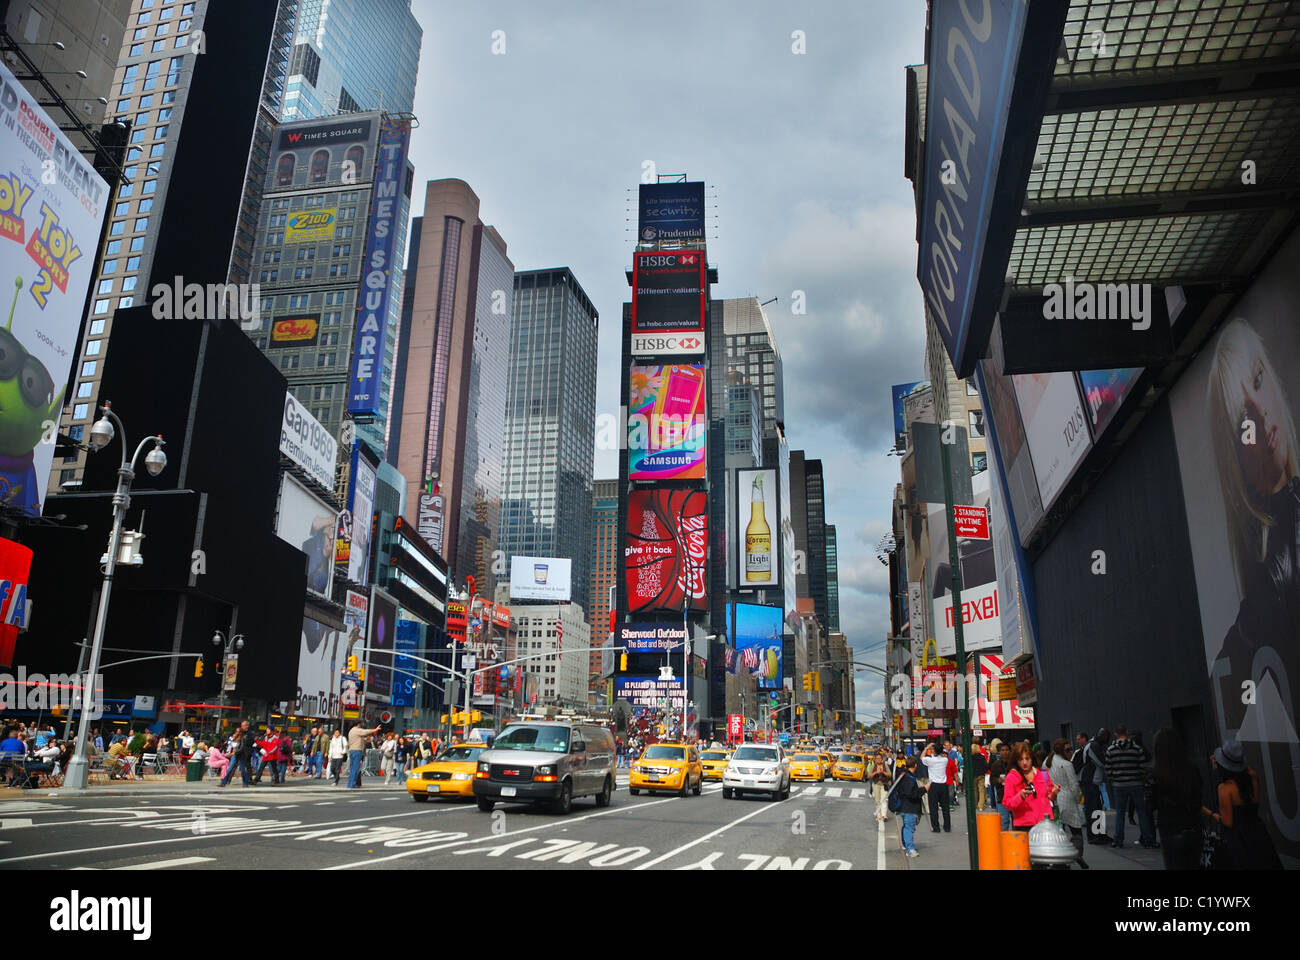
(669, 302)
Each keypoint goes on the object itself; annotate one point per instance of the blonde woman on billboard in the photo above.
(1254, 438)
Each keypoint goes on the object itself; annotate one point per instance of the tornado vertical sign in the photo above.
(51, 205)
(377, 287)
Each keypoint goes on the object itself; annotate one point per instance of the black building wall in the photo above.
(1108, 642)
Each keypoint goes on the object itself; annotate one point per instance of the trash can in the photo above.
(194, 771)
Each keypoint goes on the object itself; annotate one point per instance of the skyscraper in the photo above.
(832, 581)
(604, 565)
(550, 412)
(449, 442)
(752, 354)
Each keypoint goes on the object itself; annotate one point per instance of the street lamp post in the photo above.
(101, 434)
(236, 643)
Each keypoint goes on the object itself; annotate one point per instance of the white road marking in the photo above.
(834, 792)
(165, 864)
(810, 791)
(15, 823)
(714, 833)
(511, 833)
(857, 793)
(287, 806)
(880, 845)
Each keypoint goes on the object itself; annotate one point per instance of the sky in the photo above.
(553, 113)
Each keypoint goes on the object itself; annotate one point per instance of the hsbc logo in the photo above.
(662, 260)
(659, 343)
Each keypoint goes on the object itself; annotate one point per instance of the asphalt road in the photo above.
(315, 826)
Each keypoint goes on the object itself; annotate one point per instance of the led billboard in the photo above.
(669, 292)
(541, 578)
(898, 391)
(308, 524)
(649, 694)
(651, 637)
(383, 627)
(322, 153)
(758, 550)
(665, 549)
(758, 642)
(667, 422)
(671, 211)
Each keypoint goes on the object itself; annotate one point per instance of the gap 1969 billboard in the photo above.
(665, 549)
(667, 422)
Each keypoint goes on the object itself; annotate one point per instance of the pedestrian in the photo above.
(1176, 802)
(979, 768)
(218, 761)
(1028, 790)
(1246, 842)
(98, 738)
(285, 758)
(319, 751)
(401, 756)
(1069, 797)
(999, 767)
(356, 753)
(338, 751)
(879, 772)
(1125, 774)
(907, 797)
(1092, 776)
(954, 767)
(245, 745)
(936, 766)
(388, 756)
(268, 751)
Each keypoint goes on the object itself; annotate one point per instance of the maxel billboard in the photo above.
(378, 283)
(665, 550)
(667, 422)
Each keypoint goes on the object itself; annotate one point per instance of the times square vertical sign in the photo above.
(377, 285)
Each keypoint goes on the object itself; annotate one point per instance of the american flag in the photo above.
(559, 629)
(749, 657)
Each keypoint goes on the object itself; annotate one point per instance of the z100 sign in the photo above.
(665, 549)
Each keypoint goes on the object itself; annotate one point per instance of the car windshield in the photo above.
(805, 758)
(546, 739)
(755, 753)
(664, 753)
(460, 753)
(713, 755)
(850, 758)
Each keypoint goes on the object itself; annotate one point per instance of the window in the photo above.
(126, 190)
(130, 172)
(114, 246)
(83, 390)
(128, 283)
(110, 266)
(121, 210)
(157, 149)
(162, 28)
(92, 347)
(159, 45)
(976, 422)
(96, 327)
(101, 306)
(89, 367)
(136, 50)
(165, 13)
(169, 96)
(144, 17)
(137, 244)
(302, 273)
(141, 223)
(289, 362)
(126, 302)
(140, 33)
(297, 301)
(133, 153)
(146, 205)
(149, 186)
(146, 101)
(306, 253)
(338, 269)
(164, 114)
(132, 263)
(187, 9)
(123, 105)
(80, 411)
(971, 389)
(160, 131)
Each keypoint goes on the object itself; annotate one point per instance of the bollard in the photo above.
(1015, 850)
(988, 831)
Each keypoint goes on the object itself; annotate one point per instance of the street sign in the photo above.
(971, 523)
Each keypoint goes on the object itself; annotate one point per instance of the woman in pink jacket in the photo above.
(218, 761)
(1028, 791)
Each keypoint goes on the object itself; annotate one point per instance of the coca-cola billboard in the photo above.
(665, 549)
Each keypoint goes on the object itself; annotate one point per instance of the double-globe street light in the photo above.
(235, 644)
(101, 434)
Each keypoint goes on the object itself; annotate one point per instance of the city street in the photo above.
(318, 826)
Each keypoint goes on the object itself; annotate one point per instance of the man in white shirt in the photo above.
(936, 767)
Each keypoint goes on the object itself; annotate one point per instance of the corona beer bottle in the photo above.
(758, 538)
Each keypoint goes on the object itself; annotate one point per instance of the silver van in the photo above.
(544, 761)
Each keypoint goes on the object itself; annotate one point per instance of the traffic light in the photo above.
(798, 711)
(475, 716)
(773, 715)
(817, 682)
(807, 681)
(443, 718)
(622, 662)
(198, 668)
(352, 663)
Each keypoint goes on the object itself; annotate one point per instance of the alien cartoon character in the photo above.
(27, 400)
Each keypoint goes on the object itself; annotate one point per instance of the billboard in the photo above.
(310, 225)
(670, 293)
(756, 513)
(383, 626)
(300, 330)
(308, 524)
(322, 153)
(353, 545)
(431, 520)
(406, 640)
(671, 211)
(897, 392)
(304, 441)
(1000, 714)
(1234, 416)
(758, 643)
(378, 264)
(980, 600)
(51, 207)
(665, 549)
(1055, 429)
(966, 57)
(541, 578)
(356, 617)
(667, 422)
(1105, 390)
(649, 694)
(320, 658)
(651, 637)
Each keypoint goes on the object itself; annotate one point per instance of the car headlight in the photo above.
(484, 767)
(461, 776)
(545, 770)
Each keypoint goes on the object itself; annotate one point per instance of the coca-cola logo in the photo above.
(666, 549)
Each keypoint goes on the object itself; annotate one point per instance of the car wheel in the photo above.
(564, 802)
(633, 790)
(485, 804)
(602, 798)
(699, 786)
(726, 793)
(420, 797)
(686, 785)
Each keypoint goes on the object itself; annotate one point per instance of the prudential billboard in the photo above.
(974, 50)
(51, 205)
(378, 287)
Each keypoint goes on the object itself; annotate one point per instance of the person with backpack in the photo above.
(999, 767)
(905, 800)
(1092, 776)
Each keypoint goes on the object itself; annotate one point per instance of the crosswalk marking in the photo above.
(857, 793)
(834, 791)
(164, 864)
(810, 791)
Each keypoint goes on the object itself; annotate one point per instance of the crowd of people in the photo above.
(1158, 791)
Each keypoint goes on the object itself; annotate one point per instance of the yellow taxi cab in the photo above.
(851, 766)
(713, 763)
(805, 765)
(451, 773)
(828, 761)
(667, 766)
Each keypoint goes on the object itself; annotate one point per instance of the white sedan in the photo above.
(757, 768)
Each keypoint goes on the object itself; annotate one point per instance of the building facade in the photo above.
(752, 353)
(604, 568)
(557, 635)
